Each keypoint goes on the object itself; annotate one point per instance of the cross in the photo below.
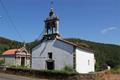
(52, 3)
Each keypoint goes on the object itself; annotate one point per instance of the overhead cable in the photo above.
(10, 19)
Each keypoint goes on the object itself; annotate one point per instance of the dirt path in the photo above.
(114, 77)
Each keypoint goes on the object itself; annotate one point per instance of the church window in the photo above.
(50, 55)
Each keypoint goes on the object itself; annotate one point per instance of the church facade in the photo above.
(55, 53)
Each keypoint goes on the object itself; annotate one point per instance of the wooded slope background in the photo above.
(104, 53)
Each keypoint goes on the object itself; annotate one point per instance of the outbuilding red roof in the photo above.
(10, 52)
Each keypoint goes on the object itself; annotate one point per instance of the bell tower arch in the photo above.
(51, 26)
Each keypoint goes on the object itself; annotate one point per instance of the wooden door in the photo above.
(50, 65)
(22, 61)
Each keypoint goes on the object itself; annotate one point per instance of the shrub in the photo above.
(1, 62)
(68, 69)
(116, 70)
(40, 73)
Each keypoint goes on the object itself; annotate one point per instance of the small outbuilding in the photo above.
(17, 57)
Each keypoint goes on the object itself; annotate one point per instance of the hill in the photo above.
(105, 54)
(6, 44)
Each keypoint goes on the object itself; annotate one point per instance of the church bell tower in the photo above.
(51, 26)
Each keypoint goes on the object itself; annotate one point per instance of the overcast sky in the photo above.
(94, 20)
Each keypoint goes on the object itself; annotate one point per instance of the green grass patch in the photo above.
(116, 70)
(31, 72)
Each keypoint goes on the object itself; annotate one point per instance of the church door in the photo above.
(50, 65)
(22, 61)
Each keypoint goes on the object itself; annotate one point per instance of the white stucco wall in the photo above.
(18, 61)
(85, 61)
(23, 54)
(27, 63)
(10, 61)
(62, 54)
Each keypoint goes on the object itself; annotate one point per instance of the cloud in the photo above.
(106, 30)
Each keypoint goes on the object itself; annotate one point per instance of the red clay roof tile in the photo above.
(10, 52)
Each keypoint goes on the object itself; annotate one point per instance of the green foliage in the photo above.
(32, 44)
(116, 70)
(3, 48)
(6, 44)
(20, 67)
(41, 72)
(68, 69)
(1, 62)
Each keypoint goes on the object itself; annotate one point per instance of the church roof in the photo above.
(10, 52)
(14, 51)
(76, 45)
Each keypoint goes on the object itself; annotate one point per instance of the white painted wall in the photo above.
(10, 61)
(23, 54)
(27, 63)
(62, 54)
(85, 61)
(18, 61)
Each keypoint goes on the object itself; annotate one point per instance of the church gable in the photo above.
(52, 45)
(80, 47)
(63, 46)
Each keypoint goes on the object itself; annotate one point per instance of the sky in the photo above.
(93, 20)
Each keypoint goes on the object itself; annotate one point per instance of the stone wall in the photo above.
(103, 75)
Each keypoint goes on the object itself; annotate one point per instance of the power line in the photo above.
(39, 37)
(10, 19)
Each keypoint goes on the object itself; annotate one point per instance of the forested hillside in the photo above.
(105, 53)
(6, 44)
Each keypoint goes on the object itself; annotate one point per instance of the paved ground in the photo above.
(4, 76)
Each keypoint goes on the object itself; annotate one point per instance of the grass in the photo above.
(45, 72)
(116, 70)
(66, 70)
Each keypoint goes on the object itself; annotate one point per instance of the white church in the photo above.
(55, 53)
